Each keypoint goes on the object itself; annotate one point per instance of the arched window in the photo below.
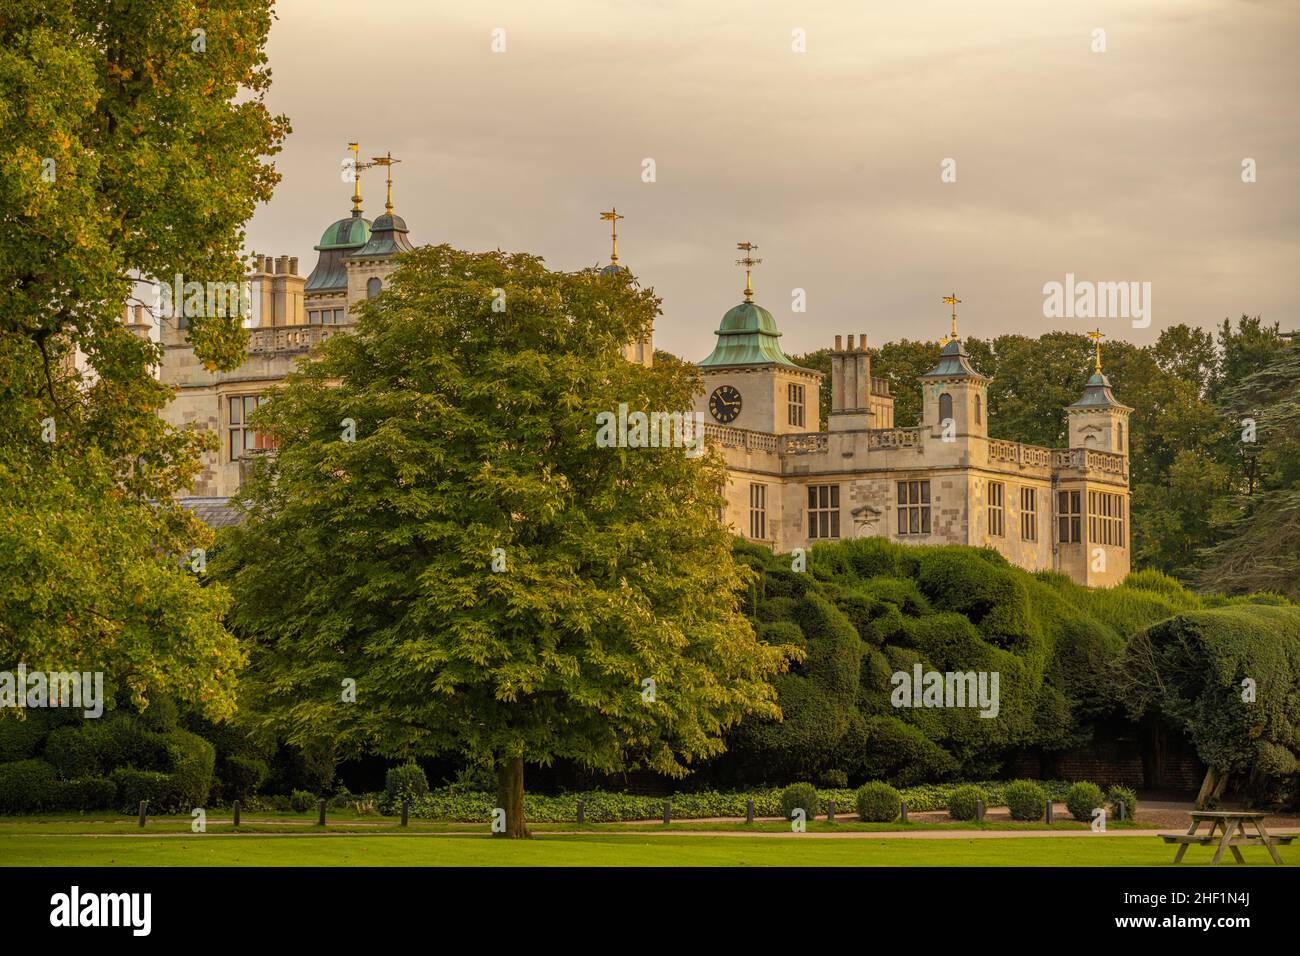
(977, 409)
(945, 408)
(373, 287)
(1119, 435)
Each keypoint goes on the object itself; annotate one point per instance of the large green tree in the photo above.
(135, 147)
(494, 582)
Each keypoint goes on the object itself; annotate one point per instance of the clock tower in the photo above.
(748, 381)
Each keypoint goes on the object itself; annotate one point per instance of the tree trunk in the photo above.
(1209, 786)
(510, 797)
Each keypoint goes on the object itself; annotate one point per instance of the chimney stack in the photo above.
(850, 385)
(284, 305)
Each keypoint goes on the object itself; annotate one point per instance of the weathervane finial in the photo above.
(748, 262)
(388, 161)
(952, 300)
(613, 217)
(1097, 335)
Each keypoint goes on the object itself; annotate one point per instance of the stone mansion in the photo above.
(790, 484)
(944, 481)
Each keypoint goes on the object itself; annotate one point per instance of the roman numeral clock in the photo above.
(724, 404)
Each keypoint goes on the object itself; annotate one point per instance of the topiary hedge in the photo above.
(1082, 799)
(1026, 800)
(27, 786)
(961, 802)
(878, 802)
(191, 759)
(404, 782)
(154, 788)
(800, 796)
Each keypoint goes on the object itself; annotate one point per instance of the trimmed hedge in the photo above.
(191, 760)
(601, 806)
(404, 782)
(961, 802)
(1026, 800)
(156, 789)
(800, 796)
(27, 786)
(1082, 799)
(242, 777)
(90, 793)
(878, 802)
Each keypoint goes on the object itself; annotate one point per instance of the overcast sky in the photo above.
(1123, 165)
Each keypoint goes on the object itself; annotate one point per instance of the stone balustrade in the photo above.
(289, 338)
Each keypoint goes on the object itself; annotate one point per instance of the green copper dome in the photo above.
(1097, 394)
(954, 363)
(350, 233)
(748, 335)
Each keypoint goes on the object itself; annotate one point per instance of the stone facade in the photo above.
(944, 481)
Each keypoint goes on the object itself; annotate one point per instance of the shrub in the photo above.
(72, 752)
(1126, 797)
(1026, 800)
(878, 802)
(405, 782)
(190, 759)
(26, 786)
(20, 738)
(1082, 799)
(302, 800)
(88, 793)
(123, 742)
(800, 796)
(151, 786)
(961, 802)
(241, 777)
(834, 779)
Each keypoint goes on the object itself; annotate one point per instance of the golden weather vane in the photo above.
(388, 162)
(1097, 335)
(613, 217)
(748, 262)
(951, 300)
(357, 166)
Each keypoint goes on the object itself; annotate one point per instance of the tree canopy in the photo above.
(496, 584)
(136, 147)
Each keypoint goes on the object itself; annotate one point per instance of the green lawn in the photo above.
(595, 849)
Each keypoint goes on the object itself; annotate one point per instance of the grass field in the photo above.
(594, 849)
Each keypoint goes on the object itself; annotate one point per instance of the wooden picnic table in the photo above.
(1233, 824)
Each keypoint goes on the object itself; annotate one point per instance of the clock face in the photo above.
(724, 404)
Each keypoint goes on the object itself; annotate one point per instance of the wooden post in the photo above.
(749, 810)
(1119, 809)
(1049, 809)
(406, 811)
(321, 807)
(979, 811)
(582, 812)
(668, 811)
(830, 811)
(902, 812)
(143, 804)
(235, 810)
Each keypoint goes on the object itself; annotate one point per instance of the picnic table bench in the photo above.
(1233, 823)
